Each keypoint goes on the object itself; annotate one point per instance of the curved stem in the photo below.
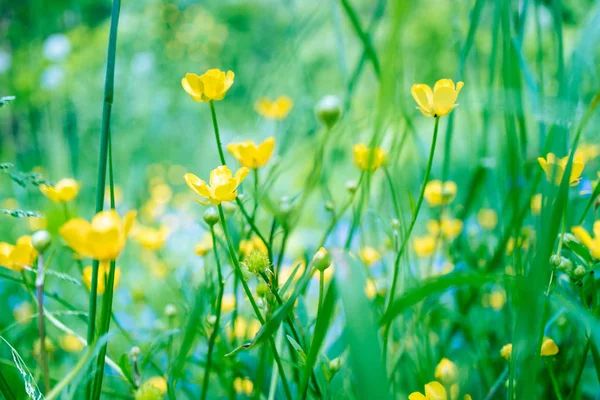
(216, 129)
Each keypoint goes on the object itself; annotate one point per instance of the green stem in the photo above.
(215, 332)
(555, 385)
(216, 129)
(39, 284)
(321, 285)
(5, 388)
(363, 36)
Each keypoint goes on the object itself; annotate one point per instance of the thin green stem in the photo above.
(363, 36)
(39, 284)
(216, 129)
(554, 381)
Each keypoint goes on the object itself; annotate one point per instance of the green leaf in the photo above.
(126, 368)
(298, 349)
(413, 205)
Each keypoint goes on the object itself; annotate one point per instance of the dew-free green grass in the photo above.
(341, 199)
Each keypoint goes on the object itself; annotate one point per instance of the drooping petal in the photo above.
(193, 86)
(197, 185)
(424, 97)
(576, 171)
(265, 150)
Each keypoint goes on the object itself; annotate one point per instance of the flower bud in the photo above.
(135, 351)
(569, 238)
(40, 240)
(211, 319)
(262, 289)
(211, 216)
(329, 110)
(565, 264)
(579, 271)
(329, 205)
(351, 186)
(335, 364)
(321, 259)
(395, 224)
(555, 260)
(170, 310)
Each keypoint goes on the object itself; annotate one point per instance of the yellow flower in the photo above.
(103, 270)
(536, 204)
(286, 271)
(70, 343)
(243, 386)
(245, 329)
(228, 303)
(23, 312)
(497, 299)
(159, 383)
(506, 351)
(450, 227)
(212, 85)
(555, 168)
(549, 348)
(149, 238)
(446, 372)
(252, 244)
(251, 155)
(433, 391)
(204, 245)
(487, 218)
(37, 346)
(274, 109)
(64, 190)
(593, 244)
(370, 289)
(19, 256)
(439, 102)
(369, 255)
(102, 239)
(424, 246)
(223, 186)
(438, 193)
(587, 152)
(368, 159)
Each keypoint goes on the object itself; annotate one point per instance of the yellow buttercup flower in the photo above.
(438, 193)
(536, 204)
(439, 102)
(433, 391)
(103, 270)
(19, 256)
(150, 238)
(70, 343)
(243, 386)
(369, 255)
(65, 190)
(228, 303)
(368, 159)
(370, 289)
(159, 383)
(549, 347)
(506, 351)
(274, 109)
(424, 246)
(102, 239)
(251, 155)
(449, 227)
(245, 329)
(555, 169)
(487, 219)
(223, 186)
(446, 372)
(212, 85)
(592, 243)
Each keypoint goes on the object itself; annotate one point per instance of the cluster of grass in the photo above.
(325, 246)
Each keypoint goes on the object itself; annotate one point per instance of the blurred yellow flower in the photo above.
(204, 245)
(251, 155)
(587, 152)
(64, 190)
(286, 271)
(150, 238)
(223, 186)
(450, 227)
(369, 255)
(592, 243)
(370, 289)
(103, 270)
(228, 303)
(549, 348)
(424, 246)
(368, 159)
(536, 204)
(438, 193)
(243, 386)
(252, 244)
(506, 351)
(19, 256)
(487, 219)
(555, 168)
(274, 109)
(497, 299)
(37, 223)
(446, 372)
(433, 391)
(102, 239)
(49, 346)
(159, 383)
(439, 102)
(246, 329)
(212, 85)
(70, 343)
(23, 312)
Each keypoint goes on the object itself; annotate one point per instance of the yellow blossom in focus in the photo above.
(19, 256)
(587, 152)
(433, 391)
(243, 386)
(204, 246)
(212, 85)
(439, 102)
(274, 109)
(536, 204)
(103, 271)
(592, 243)
(23, 312)
(487, 219)
(446, 372)
(65, 190)
(549, 348)
(150, 238)
(424, 245)
(368, 159)
(438, 193)
(70, 343)
(449, 227)
(506, 351)
(253, 244)
(102, 239)
(369, 255)
(223, 185)
(252, 155)
(159, 383)
(555, 169)
(228, 303)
